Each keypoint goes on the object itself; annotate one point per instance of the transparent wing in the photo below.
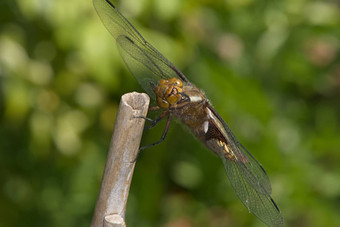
(249, 187)
(252, 170)
(249, 179)
(143, 60)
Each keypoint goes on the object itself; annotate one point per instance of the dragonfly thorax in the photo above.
(168, 92)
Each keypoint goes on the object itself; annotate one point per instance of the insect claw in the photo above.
(145, 118)
(135, 159)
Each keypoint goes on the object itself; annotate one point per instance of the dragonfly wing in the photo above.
(132, 43)
(247, 176)
(252, 170)
(251, 192)
(139, 63)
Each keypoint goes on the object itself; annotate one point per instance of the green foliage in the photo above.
(271, 68)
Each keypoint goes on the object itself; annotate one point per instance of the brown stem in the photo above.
(119, 166)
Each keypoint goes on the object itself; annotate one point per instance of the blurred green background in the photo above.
(271, 69)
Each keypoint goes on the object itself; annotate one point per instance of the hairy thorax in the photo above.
(193, 113)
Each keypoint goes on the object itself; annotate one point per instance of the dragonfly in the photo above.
(178, 98)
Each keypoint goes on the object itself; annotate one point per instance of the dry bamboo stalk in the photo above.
(120, 163)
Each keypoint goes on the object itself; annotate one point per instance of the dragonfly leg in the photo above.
(153, 121)
(159, 141)
(158, 119)
(145, 118)
(153, 108)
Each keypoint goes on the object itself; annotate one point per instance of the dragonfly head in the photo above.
(168, 92)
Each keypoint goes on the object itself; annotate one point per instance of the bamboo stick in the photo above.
(112, 198)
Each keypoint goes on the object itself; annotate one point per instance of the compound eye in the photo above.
(162, 82)
(162, 103)
(172, 99)
(176, 81)
(179, 83)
